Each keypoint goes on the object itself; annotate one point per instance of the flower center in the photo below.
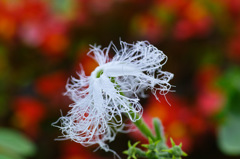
(115, 69)
(99, 73)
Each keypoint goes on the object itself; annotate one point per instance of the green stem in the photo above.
(159, 130)
(140, 153)
(142, 126)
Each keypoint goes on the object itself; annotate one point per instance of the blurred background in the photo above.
(42, 43)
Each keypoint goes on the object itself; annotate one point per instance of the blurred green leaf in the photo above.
(13, 143)
(63, 6)
(164, 15)
(4, 155)
(229, 135)
(230, 84)
(230, 80)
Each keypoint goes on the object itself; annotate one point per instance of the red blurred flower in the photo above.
(234, 48)
(210, 102)
(51, 85)
(206, 76)
(36, 24)
(175, 6)
(48, 34)
(210, 99)
(73, 150)
(98, 7)
(183, 30)
(28, 113)
(32, 33)
(29, 10)
(233, 7)
(192, 25)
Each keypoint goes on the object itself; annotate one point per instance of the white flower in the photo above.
(113, 89)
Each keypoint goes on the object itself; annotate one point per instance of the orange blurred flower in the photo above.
(87, 62)
(7, 27)
(7, 22)
(55, 44)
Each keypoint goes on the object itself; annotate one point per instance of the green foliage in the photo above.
(228, 137)
(63, 7)
(229, 129)
(13, 145)
(156, 148)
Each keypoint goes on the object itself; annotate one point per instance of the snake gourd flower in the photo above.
(112, 90)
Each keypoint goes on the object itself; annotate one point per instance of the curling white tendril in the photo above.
(113, 89)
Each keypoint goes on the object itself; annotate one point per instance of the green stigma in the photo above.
(99, 73)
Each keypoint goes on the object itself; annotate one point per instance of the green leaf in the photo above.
(158, 130)
(4, 155)
(172, 142)
(230, 80)
(229, 135)
(125, 152)
(134, 145)
(14, 142)
(129, 144)
(184, 154)
(64, 7)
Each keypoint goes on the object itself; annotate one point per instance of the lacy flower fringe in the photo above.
(113, 89)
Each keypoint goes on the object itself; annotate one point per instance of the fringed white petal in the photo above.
(100, 102)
